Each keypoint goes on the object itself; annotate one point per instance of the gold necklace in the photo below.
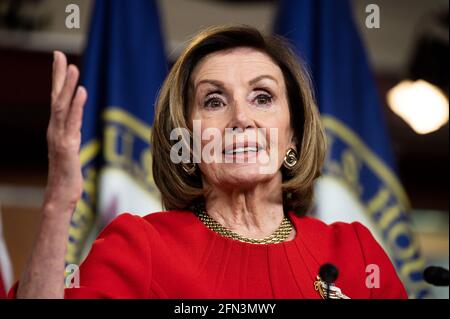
(280, 235)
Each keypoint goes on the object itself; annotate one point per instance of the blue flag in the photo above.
(359, 182)
(124, 67)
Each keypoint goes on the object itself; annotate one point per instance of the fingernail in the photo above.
(54, 56)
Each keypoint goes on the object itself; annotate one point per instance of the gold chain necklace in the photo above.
(280, 235)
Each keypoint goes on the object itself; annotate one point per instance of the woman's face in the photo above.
(240, 96)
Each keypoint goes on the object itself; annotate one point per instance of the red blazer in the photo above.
(174, 255)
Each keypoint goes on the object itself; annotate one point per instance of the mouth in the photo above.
(243, 149)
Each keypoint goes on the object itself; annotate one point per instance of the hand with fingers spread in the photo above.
(63, 135)
(43, 276)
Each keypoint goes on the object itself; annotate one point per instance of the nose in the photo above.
(241, 117)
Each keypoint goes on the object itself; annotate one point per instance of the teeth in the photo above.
(242, 150)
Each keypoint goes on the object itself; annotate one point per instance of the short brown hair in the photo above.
(180, 190)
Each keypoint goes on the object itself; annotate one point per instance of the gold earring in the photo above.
(189, 168)
(290, 159)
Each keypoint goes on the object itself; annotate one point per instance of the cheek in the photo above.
(210, 139)
(285, 129)
(194, 113)
(282, 126)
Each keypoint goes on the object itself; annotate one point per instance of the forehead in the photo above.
(243, 63)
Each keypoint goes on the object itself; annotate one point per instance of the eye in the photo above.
(213, 101)
(263, 99)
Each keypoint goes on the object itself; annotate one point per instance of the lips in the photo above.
(242, 148)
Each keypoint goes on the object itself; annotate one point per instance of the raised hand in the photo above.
(43, 276)
(64, 184)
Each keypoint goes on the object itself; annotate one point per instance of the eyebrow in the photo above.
(207, 81)
(261, 77)
(221, 85)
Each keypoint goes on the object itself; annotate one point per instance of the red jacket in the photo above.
(174, 255)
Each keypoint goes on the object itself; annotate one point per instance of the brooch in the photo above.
(334, 293)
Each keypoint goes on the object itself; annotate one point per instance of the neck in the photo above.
(254, 212)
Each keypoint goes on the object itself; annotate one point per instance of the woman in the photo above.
(235, 225)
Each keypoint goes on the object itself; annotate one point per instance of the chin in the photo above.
(243, 175)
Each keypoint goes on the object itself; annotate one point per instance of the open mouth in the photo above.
(244, 148)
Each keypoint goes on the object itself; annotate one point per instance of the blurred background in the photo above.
(412, 42)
